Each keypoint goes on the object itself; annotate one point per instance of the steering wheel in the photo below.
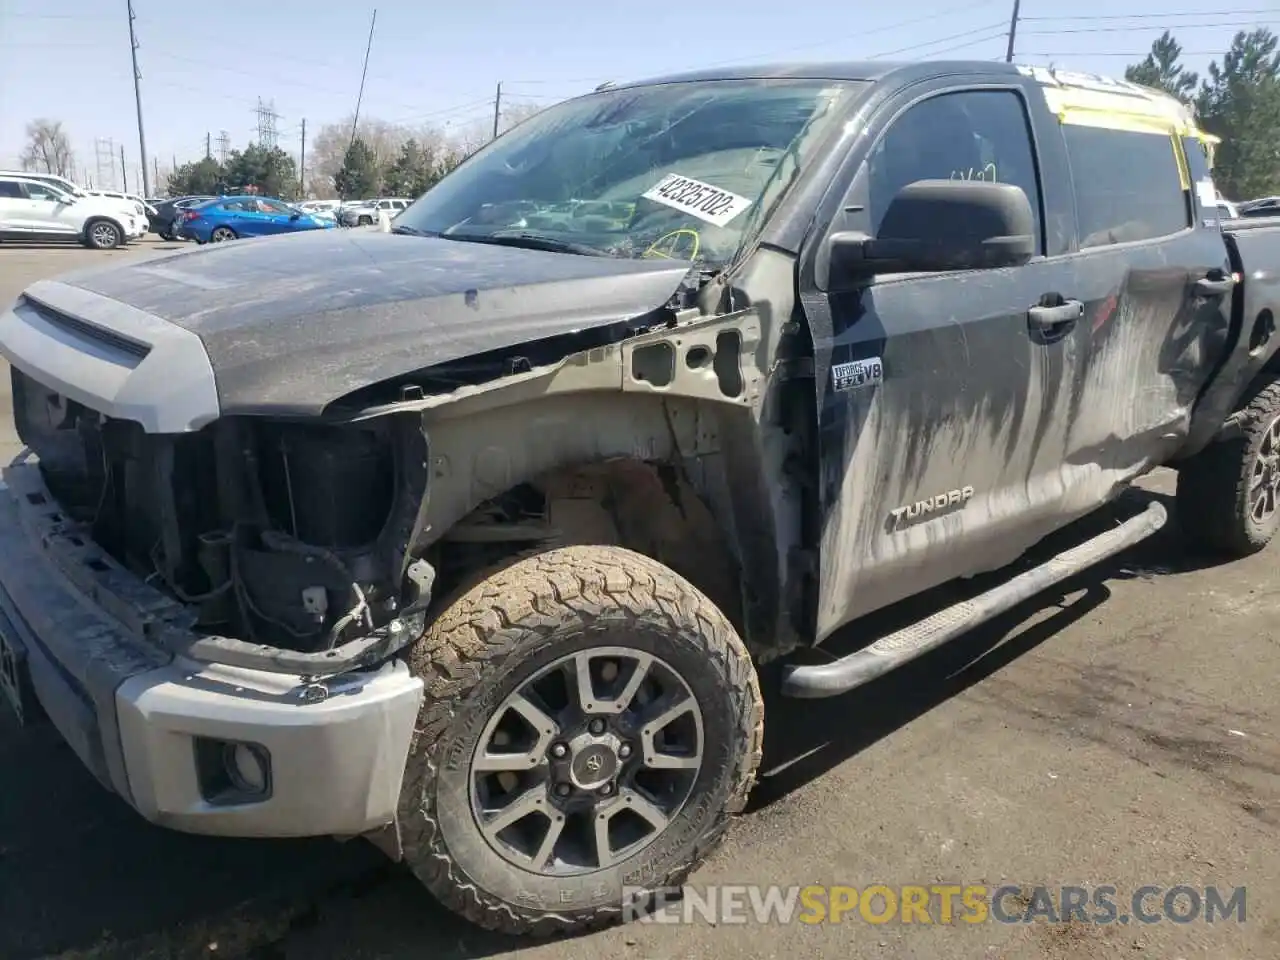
(672, 253)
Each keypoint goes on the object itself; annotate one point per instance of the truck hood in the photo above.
(292, 323)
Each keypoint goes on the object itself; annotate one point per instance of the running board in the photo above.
(814, 681)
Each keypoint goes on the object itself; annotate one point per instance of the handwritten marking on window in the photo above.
(987, 172)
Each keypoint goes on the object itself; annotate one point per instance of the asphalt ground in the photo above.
(1123, 732)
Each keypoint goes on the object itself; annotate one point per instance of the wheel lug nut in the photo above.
(562, 789)
(624, 751)
(596, 726)
(606, 790)
(559, 751)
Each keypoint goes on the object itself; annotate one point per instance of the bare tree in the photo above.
(386, 139)
(48, 148)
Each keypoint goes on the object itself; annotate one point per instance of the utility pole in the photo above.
(208, 146)
(302, 164)
(124, 177)
(156, 161)
(137, 96)
(355, 122)
(1013, 31)
(497, 109)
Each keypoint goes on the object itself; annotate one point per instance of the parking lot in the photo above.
(1126, 732)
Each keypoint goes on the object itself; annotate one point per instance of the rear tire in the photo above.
(494, 658)
(102, 235)
(222, 235)
(364, 222)
(1229, 494)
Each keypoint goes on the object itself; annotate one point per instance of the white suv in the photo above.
(365, 213)
(31, 209)
(127, 205)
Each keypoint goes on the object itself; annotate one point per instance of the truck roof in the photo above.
(1068, 92)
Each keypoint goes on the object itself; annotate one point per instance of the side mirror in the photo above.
(295, 215)
(943, 225)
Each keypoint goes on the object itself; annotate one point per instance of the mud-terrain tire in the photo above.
(1219, 488)
(535, 622)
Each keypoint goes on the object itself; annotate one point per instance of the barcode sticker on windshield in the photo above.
(697, 199)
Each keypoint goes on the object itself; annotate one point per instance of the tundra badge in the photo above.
(921, 508)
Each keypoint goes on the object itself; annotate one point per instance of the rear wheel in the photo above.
(222, 235)
(102, 235)
(591, 723)
(1229, 493)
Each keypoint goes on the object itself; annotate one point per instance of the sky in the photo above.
(205, 66)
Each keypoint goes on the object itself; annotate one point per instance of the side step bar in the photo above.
(814, 681)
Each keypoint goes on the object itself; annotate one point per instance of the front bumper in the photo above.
(158, 729)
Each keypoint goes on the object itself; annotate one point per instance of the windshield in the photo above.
(680, 170)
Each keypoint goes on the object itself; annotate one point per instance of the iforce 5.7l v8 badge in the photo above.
(857, 373)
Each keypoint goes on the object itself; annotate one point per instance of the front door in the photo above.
(49, 211)
(937, 392)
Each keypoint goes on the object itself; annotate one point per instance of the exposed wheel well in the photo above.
(648, 507)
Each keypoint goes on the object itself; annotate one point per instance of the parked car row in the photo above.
(46, 207)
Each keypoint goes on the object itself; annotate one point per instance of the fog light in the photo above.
(247, 767)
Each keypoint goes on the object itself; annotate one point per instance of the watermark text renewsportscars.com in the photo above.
(936, 903)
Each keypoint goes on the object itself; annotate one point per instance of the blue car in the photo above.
(229, 218)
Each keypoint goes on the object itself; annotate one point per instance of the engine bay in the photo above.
(287, 534)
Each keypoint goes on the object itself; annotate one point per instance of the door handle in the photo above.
(1045, 318)
(1214, 286)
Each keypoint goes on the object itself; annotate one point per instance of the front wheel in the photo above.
(1229, 493)
(591, 722)
(103, 235)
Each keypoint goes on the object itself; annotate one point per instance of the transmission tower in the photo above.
(268, 136)
(224, 145)
(104, 155)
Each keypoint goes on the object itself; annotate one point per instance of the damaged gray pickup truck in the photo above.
(469, 537)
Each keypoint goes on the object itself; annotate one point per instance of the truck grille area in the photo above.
(288, 535)
(111, 476)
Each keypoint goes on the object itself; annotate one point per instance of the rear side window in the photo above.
(11, 190)
(1128, 186)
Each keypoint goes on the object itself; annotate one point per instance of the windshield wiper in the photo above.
(530, 241)
(413, 231)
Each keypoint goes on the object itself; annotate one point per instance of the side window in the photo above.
(11, 191)
(1128, 185)
(968, 135)
(41, 192)
(270, 206)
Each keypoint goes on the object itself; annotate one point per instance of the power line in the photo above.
(998, 25)
(1141, 29)
(1213, 14)
(1115, 53)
